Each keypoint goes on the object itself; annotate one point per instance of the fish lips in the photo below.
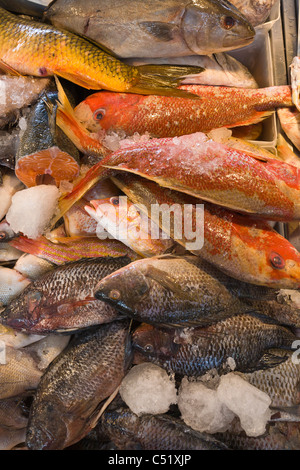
(117, 304)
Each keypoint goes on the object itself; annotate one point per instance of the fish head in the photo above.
(23, 312)
(216, 26)
(155, 344)
(266, 256)
(46, 429)
(106, 110)
(124, 289)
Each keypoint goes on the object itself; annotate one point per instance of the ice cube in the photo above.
(147, 388)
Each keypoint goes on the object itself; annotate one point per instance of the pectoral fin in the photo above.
(161, 31)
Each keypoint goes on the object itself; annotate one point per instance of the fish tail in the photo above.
(163, 80)
(74, 130)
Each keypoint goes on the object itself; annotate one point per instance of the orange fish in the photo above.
(163, 116)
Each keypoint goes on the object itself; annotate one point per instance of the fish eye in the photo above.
(149, 348)
(277, 261)
(114, 294)
(99, 114)
(2, 236)
(114, 201)
(228, 22)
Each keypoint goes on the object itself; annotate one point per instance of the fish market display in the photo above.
(44, 150)
(79, 61)
(149, 227)
(66, 403)
(171, 117)
(147, 432)
(155, 28)
(71, 305)
(191, 352)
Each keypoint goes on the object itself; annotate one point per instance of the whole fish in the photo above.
(10, 185)
(219, 69)
(196, 165)
(63, 299)
(279, 436)
(12, 283)
(73, 249)
(178, 291)
(32, 267)
(290, 122)
(155, 28)
(44, 149)
(256, 11)
(193, 351)
(78, 223)
(65, 404)
(153, 432)
(17, 93)
(32, 48)
(122, 220)
(163, 116)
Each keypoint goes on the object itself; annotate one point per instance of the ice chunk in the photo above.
(147, 388)
(201, 408)
(249, 403)
(32, 209)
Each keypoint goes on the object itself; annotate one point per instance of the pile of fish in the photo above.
(137, 221)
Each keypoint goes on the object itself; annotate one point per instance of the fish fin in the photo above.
(162, 31)
(163, 80)
(8, 69)
(267, 361)
(291, 413)
(74, 130)
(82, 82)
(167, 282)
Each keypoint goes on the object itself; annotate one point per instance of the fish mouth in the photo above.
(231, 41)
(118, 305)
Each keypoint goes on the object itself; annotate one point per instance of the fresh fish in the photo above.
(32, 48)
(21, 369)
(65, 405)
(11, 184)
(290, 122)
(26, 7)
(231, 242)
(281, 383)
(153, 432)
(155, 28)
(256, 11)
(192, 352)
(12, 283)
(8, 253)
(78, 223)
(44, 149)
(163, 116)
(11, 438)
(295, 81)
(16, 93)
(122, 220)
(278, 436)
(6, 233)
(63, 299)
(14, 413)
(178, 291)
(9, 141)
(285, 151)
(71, 249)
(220, 69)
(32, 267)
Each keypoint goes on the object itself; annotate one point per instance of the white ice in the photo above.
(32, 209)
(147, 388)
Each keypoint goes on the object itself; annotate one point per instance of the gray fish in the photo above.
(178, 291)
(62, 299)
(148, 432)
(194, 351)
(156, 28)
(65, 405)
(219, 69)
(256, 11)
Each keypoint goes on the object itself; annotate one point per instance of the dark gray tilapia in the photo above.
(16, 93)
(193, 351)
(148, 432)
(219, 69)
(184, 291)
(256, 11)
(89, 371)
(156, 28)
(63, 299)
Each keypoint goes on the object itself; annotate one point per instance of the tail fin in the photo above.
(163, 80)
(74, 130)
